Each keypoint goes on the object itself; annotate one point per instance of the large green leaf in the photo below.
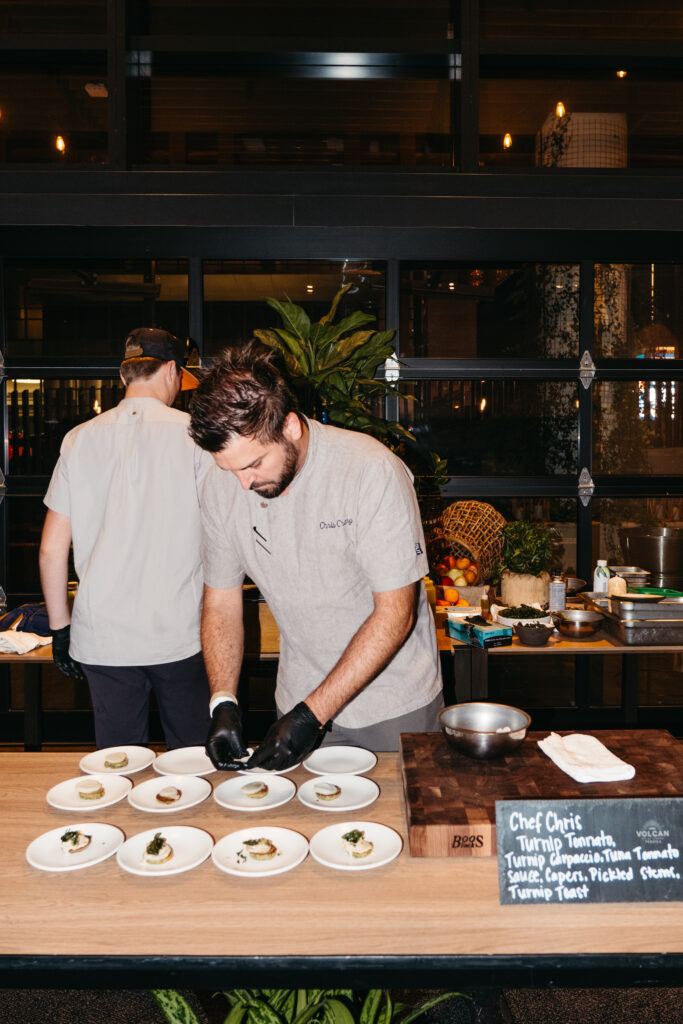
(426, 1006)
(336, 1012)
(343, 351)
(332, 311)
(174, 1007)
(293, 317)
(370, 1007)
(356, 319)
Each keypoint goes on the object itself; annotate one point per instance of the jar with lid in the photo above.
(557, 594)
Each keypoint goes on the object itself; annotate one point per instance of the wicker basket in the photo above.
(473, 529)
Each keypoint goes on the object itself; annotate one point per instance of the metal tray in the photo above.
(644, 631)
(641, 609)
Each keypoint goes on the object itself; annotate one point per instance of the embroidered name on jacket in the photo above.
(334, 523)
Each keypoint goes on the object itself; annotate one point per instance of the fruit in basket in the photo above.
(471, 576)
(446, 581)
(462, 563)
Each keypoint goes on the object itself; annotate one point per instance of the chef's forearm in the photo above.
(222, 633)
(369, 651)
(53, 560)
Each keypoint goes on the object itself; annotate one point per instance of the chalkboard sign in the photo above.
(590, 851)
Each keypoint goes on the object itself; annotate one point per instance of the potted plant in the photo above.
(523, 570)
(332, 366)
(333, 369)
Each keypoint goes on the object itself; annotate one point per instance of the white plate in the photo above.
(229, 794)
(184, 761)
(356, 791)
(265, 771)
(228, 853)
(340, 761)
(327, 846)
(46, 852)
(191, 846)
(192, 789)
(65, 795)
(138, 758)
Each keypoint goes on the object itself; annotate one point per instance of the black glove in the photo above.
(61, 638)
(288, 740)
(224, 744)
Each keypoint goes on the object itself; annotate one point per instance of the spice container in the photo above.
(557, 594)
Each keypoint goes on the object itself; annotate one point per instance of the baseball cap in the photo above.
(155, 343)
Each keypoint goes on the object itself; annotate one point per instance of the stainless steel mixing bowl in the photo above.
(483, 729)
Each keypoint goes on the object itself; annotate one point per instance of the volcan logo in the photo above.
(652, 832)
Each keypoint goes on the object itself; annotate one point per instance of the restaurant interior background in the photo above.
(498, 180)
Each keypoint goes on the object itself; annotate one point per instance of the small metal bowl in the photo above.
(574, 585)
(577, 623)
(482, 729)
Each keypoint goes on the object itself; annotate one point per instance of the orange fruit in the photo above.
(471, 575)
(462, 603)
(462, 563)
(451, 595)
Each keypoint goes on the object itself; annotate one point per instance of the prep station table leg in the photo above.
(33, 707)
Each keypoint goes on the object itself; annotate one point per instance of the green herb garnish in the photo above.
(524, 611)
(154, 848)
(354, 836)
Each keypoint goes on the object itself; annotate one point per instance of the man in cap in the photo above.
(125, 491)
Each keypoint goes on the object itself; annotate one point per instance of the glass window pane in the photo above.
(40, 17)
(235, 292)
(505, 428)
(336, 117)
(609, 20)
(462, 311)
(54, 108)
(58, 310)
(638, 428)
(638, 311)
(608, 121)
(25, 517)
(40, 412)
(337, 22)
(616, 520)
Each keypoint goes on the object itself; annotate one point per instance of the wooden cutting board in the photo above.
(450, 798)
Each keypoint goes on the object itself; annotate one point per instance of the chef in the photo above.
(326, 523)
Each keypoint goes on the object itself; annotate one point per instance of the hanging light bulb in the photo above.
(309, 288)
(622, 74)
(559, 109)
(60, 144)
(507, 140)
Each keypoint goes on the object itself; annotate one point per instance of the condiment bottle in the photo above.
(557, 594)
(601, 577)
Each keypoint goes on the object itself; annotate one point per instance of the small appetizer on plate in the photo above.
(117, 759)
(356, 844)
(74, 841)
(260, 849)
(327, 791)
(158, 851)
(90, 789)
(255, 790)
(169, 795)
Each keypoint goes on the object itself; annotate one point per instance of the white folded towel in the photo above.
(14, 641)
(585, 758)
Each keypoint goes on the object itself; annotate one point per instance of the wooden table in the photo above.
(32, 664)
(471, 665)
(413, 923)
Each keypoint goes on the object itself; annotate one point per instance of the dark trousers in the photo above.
(120, 700)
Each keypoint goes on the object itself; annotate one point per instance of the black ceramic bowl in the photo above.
(533, 635)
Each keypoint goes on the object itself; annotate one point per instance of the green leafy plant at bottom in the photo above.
(303, 1006)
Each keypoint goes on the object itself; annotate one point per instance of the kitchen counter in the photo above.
(439, 919)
